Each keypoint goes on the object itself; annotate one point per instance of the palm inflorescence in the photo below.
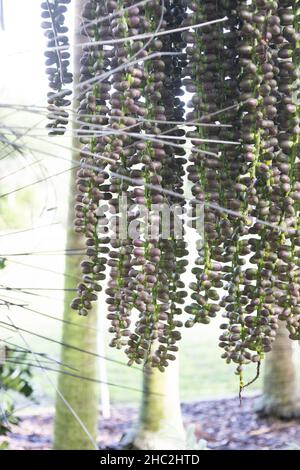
(175, 94)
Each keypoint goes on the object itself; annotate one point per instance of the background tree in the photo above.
(159, 426)
(280, 391)
(81, 395)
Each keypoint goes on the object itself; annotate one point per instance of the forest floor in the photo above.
(223, 424)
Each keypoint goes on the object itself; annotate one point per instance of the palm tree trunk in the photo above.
(80, 394)
(160, 425)
(280, 398)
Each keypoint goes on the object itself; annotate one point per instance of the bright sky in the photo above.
(23, 79)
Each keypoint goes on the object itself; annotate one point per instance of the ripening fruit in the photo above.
(241, 140)
(57, 63)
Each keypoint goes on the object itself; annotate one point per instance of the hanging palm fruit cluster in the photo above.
(92, 115)
(173, 250)
(127, 109)
(238, 73)
(249, 305)
(157, 273)
(204, 78)
(258, 38)
(258, 261)
(141, 269)
(57, 63)
(136, 89)
(286, 179)
(259, 270)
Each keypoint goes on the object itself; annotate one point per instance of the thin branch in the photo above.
(142, 36)
(69, 346)
(17, 232)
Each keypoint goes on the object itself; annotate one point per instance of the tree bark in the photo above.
(82, 395)
(280, 397)
(160, 425)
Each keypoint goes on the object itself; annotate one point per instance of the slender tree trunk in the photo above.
(160, 425)
(82, 395)
(280, 398)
